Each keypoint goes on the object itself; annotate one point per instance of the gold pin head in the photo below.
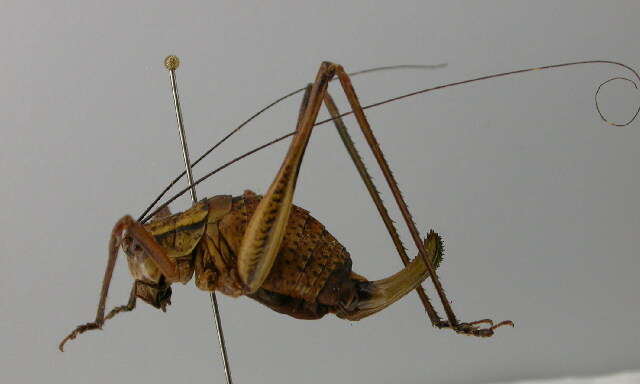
(172, 62)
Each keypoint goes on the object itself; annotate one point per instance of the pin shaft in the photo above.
(171, 63)
(183, 139)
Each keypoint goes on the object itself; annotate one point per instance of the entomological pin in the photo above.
(266, 248)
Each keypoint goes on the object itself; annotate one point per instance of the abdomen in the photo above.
(309, 254)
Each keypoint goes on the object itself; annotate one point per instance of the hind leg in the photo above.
(462, 328)
(265, 230)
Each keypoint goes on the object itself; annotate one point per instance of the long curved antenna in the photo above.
(518, 72)
(407, 95)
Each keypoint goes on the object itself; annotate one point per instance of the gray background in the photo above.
(536, 197)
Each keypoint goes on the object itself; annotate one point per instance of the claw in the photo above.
(79, 330)
(471, 329)
(503, 323)
(483, 321)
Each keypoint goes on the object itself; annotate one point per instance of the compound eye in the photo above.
(126, 242)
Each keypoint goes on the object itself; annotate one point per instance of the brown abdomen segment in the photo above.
(308, 254)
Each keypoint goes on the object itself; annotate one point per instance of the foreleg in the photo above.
(132, 234)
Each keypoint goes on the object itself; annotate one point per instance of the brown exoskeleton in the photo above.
(266, 248)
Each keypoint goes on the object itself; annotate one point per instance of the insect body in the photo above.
(266, 248)
(310, 277)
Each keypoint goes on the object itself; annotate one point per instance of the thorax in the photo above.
(185, 236)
